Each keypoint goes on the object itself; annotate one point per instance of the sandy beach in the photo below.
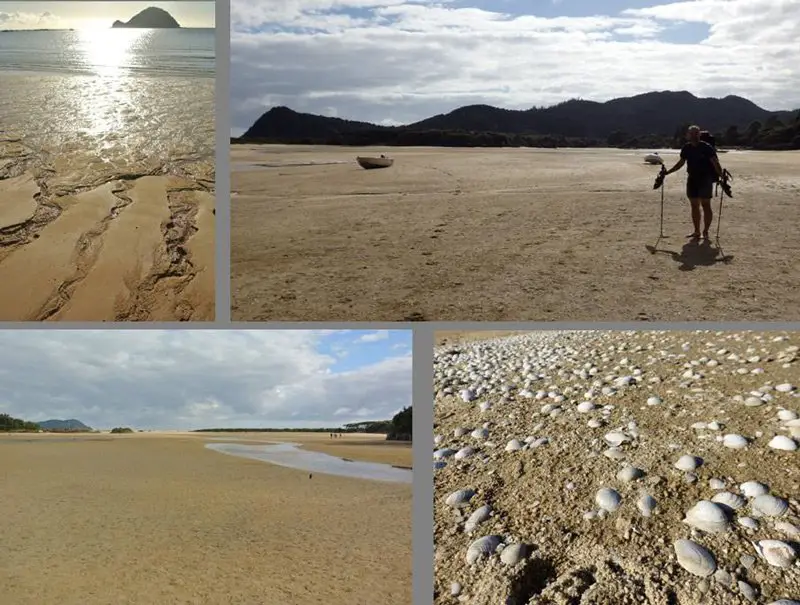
(568, 415)
(504, 234)
(157, 518)
(107, 188)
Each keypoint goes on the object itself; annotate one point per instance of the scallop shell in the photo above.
(752, 489)
(630, 473)
(767, 505)
(734, 442)
(513, 554)
(694, 558)
(782, 442)
(776, 552)
(688, 463)
(459, 498)
(733, 501)
(482, 548)
(708, 516)
(646, 504)
(479, 516)
(608, 499)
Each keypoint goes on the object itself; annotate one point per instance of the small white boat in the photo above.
(653, 158)
(369, 163)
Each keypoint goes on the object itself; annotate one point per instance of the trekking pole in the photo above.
(660, 185)
(723, 188)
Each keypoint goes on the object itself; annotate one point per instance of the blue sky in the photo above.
(188, 379)
(400, 61)
(63, 14)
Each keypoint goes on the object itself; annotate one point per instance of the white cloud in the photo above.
(398, 62)
(191, 379)
(375, 336)
(21, 20)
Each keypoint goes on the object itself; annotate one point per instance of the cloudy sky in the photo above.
(83, 15)
(187, 379)
(398, 61)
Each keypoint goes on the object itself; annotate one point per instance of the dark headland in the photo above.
(650, 120)
(150, 18)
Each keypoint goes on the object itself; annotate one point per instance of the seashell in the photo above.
(437, 439)
(782, 442)
(734, 442)
(482, 548)
(708, 516)
(630, 473)
(479, 516)
(586, 406)
(767, 505)
(614, 453)
(539, 442)
(784, 388)
(455, 589)
(460, 432)
(481, 433)
(513, 445)
(753, 489)
(694, 558)
(615, 438)
(594, 423)
(753, 401)
(785, 602)
(443, 453)
(732, 501)
(464, 453)
(788, 528)
(439, 464)
(460, 498)
(688, 463)
(716, 484)
(748, 523)
(723, 577)
(653, 400)
(714, 425)
(699, 426)
(776, 552)
(646, 504)
(608, 499)
(468, 395)
(748, 592)
(787, 415)
(485, 406)
(513, 554)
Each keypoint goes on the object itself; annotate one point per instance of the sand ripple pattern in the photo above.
(107, 212)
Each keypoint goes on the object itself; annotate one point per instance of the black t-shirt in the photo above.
(698, 159)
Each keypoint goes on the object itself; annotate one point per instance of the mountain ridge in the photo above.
(150, 18)
(653, 118)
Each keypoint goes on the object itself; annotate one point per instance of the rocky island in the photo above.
(150, 18)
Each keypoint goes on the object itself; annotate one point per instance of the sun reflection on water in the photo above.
(109, 52)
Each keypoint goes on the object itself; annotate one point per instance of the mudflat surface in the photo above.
(158, 518)
(504, 234)
(543, 497)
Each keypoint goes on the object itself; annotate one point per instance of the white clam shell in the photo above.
(782, 442)
(482, 548)
(688, 463)
(716, 484)
(733, 501)
(784, 388)
(748, 522)
(654, 400)
(608, 499)
(614, 453)
(615, 438)
(480, 433)
(777, 553)
(513, 445)
(787, 415)
(459, 498)
(646, 504)
(464, 453)
(513, 554)
(694, 558)
(785, 602)
(734, 441)
(708, 516)
(752, 489)
(629, 473)
(788, 528)
(443, 453)
(476, 518)
(767, 505)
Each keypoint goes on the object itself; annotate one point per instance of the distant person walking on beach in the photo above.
(703, 168)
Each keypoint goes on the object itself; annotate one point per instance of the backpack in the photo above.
(708, 138)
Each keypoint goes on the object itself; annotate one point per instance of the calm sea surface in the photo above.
(90, 106)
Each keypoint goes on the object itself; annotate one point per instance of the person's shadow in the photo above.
(696, 254)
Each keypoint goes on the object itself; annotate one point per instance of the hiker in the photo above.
(703, 168)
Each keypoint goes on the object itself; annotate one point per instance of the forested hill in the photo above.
(655, 119)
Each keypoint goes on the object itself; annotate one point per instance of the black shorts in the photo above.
(700, 186)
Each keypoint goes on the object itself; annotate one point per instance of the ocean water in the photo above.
(289, 455)
(82, 108)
